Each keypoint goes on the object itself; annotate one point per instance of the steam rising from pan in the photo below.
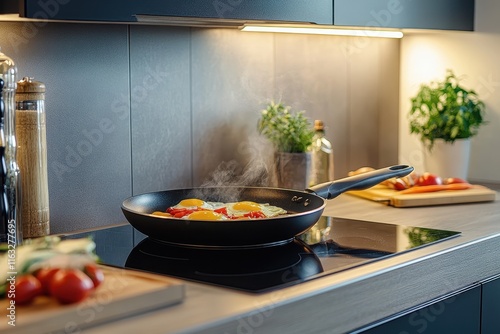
(258, 171)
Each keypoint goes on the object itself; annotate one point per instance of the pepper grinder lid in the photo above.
(29, 90)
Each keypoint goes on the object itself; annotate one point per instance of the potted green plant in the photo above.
(291, 134)
(445, 116)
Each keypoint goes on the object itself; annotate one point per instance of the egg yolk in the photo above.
(191, 202)
(205, 215)
(246, 206)
(161, 213)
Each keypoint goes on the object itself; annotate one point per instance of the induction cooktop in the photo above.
(332, 245)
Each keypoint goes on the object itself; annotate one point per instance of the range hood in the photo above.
(399, 14)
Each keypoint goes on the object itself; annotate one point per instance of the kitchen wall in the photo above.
(472, 56)
(132, 109)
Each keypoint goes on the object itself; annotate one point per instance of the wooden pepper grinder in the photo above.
(32, 157)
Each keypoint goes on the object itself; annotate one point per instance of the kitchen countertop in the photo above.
(348, 300)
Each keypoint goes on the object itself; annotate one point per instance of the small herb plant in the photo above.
(445, 110)
(289, 131)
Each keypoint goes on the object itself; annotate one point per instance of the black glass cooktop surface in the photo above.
(330, 246)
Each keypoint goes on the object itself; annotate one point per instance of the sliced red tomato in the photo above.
(179, 213)
(255, 214)
(222, 211)
(453, 180)
(400, 184)
(429, 179)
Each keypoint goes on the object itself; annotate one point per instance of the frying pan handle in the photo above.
(331, 190)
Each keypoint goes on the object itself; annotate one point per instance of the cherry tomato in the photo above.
(428, 179)
(400, 184)
(452, 180)
(45, 276)
(70, 286)
(27, 288)
(95, 273)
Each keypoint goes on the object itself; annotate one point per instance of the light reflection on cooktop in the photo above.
(330, 246)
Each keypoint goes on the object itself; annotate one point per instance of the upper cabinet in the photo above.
(413, 14)
(318, 11)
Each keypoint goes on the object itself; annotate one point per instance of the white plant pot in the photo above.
(448, 159)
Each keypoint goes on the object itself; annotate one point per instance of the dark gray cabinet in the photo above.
(417, 14)
(473, 310)
(318, 11)
(457, 313)
(490, 320)
(421, 14)
(9, 6)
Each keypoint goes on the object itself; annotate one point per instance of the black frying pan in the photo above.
(304, 209)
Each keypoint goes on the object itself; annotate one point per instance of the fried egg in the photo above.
(240, 209)
(195, 203)
(205, 215)
(186, 207)
(197, 209)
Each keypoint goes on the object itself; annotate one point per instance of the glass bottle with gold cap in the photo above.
(32, 157)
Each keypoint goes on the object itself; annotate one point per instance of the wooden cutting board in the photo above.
(394, 198)
(123, 293)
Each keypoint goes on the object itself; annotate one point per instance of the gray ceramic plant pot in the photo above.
(293, 170)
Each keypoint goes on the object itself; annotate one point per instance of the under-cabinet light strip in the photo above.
(323, 31)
